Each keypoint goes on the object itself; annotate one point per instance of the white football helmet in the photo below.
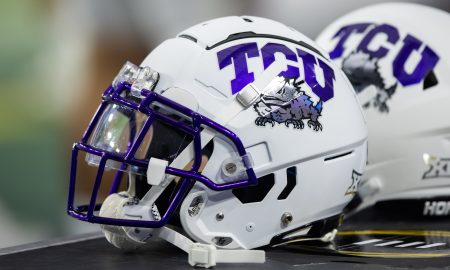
(397, 57)
(239, 132)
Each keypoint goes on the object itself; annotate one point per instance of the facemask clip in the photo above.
(235, 167)
(156, 171)
(139, 78)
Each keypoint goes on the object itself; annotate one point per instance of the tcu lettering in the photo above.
(238, 55)
(427, 62)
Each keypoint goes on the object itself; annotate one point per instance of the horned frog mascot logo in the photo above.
(286, 102)
(362, 70)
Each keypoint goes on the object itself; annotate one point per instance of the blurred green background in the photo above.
(56, 57)
(32, 132)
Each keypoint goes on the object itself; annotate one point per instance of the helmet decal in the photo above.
(360, 61)
(353, 188)
(437, 167)
(238, 54)
(436, 207)
(287, 103)
(362, 70)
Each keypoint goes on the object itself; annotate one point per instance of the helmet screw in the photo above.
(250, 227)
(286, 218)
(220, 216)
(230, 168)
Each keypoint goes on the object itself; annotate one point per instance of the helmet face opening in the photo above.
(119, 127)
(126, 133)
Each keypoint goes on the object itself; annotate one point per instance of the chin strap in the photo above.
(201, 255)
(207, 255)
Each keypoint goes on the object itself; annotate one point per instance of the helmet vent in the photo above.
(191, 38)
(257, 193)
(291, 177)
(430, 80)
(247, 19)
(338, 156)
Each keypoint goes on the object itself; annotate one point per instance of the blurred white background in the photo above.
(57, 57)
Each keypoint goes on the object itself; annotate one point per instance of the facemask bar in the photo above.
(113, 95)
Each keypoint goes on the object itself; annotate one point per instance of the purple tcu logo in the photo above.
(238, 54)
(427, 62)
(361, 65)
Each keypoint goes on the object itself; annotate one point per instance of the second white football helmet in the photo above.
(397, 57)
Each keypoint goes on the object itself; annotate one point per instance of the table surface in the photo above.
(94, 252)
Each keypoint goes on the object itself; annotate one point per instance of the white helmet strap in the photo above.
(206, 255)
